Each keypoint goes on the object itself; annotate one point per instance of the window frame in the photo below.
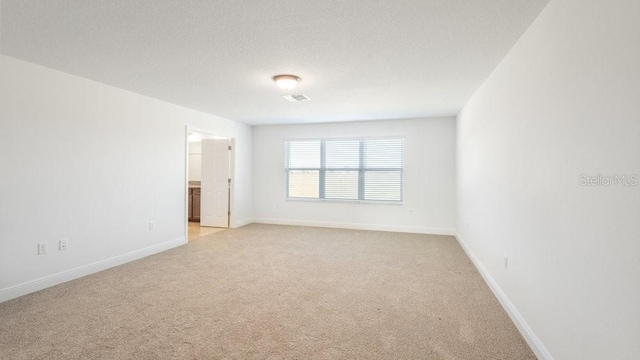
(360, 170)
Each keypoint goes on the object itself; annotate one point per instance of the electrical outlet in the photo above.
(62, 245)
(410, 212)
(506, 261)
(152, 225)
(467, 226)
(42, 248)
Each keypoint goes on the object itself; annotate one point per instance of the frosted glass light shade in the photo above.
(286, 82)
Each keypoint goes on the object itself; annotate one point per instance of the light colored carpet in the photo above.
(272, 292)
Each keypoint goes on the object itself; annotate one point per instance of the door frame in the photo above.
(232, 174)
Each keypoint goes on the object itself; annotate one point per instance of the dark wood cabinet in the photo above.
(194, 204)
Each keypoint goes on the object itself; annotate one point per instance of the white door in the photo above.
(214, 203)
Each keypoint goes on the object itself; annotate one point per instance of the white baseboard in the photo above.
(61, 277)
(356, 226)
(241, 223)
(527, 332)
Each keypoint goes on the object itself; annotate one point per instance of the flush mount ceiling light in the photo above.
(286, 82)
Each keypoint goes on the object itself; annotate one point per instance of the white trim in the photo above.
(345, 201)
(357, 226)
(241, 223)
(186, 183)
(84, 270)
(527, 332)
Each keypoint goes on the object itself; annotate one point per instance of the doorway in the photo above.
(209, 182)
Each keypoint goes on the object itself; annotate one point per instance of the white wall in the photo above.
(130, 171)
(195, 161)
(429, 185)
(563, 103)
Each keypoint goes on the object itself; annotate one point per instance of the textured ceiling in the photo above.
(358, 59)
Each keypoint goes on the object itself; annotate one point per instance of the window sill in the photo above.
(345, 201)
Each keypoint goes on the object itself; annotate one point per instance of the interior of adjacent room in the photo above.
(196, 162)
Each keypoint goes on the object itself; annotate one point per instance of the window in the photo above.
(344, 169)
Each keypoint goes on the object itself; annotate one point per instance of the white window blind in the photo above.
(345, 169)
(303, 161)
